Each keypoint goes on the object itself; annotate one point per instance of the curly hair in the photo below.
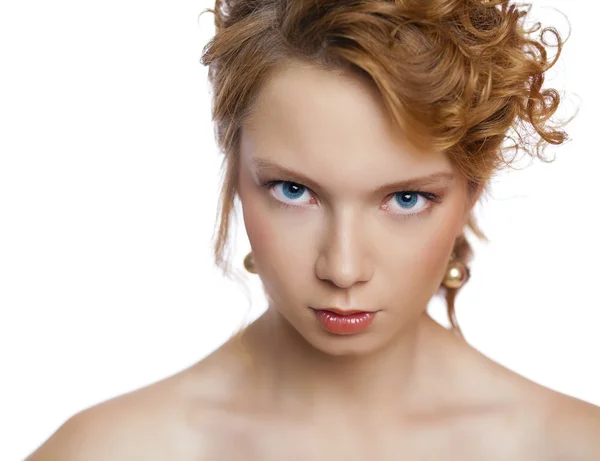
(464, 76)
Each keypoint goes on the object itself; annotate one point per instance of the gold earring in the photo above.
(249, 263)
(457, 273)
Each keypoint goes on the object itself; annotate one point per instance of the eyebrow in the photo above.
(263, 166)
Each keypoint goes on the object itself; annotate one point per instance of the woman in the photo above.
(358, 136)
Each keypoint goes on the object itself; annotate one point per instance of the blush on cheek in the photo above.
(435, 261)
(255, 217)
(434, 254)
(271, 242)
(272, 253)
(257, 228)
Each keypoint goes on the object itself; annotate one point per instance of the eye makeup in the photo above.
(428, 199)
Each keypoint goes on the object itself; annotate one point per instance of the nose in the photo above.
(344, 256)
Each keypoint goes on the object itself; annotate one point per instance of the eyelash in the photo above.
(429, 196)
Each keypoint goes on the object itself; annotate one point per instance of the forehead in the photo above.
(331, 126)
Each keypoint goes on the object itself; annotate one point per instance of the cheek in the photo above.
(257, 228)
(278, 237)
(417, 262)
(255, 220)
(433, 252)
(282, 254)
(434, 256)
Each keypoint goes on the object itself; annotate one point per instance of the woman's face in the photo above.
(330, 215)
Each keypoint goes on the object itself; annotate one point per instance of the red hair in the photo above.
(462, 76)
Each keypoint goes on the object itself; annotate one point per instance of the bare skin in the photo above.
(208, 412)
(406, 388)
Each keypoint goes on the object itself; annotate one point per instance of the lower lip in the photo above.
(345, 324)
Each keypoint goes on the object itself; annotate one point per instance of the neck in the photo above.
(297, 378)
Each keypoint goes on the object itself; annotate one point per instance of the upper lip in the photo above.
(342, 311)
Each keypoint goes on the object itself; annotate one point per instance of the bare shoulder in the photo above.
(148, 424)
(574, 428)
(534, 421)
(549, 426)
(560, 427)
(175, 419)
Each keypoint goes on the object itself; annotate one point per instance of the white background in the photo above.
(108, 192)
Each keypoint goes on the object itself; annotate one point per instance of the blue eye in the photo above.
(406, 199)
(290, 194)
(292, 190)
(288, 191)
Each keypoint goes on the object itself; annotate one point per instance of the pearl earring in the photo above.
(457, 273)
(249, 263)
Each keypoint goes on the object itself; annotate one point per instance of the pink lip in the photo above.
(344, 322)
(341, 311)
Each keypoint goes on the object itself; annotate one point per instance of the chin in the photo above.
(347, 346)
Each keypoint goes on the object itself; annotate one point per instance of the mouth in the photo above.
(344, 322)
(335, 310)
